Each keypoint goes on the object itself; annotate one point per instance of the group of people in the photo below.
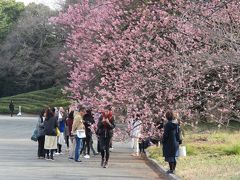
(170, 136)
(56, 127)
(75, 128)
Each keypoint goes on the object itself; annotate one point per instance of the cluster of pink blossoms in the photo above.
(151, 56)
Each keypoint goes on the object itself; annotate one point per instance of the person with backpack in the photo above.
(106, 125)
(171, 140)
(181, 131)
(41, 135)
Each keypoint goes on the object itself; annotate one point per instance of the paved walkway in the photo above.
(18, 159)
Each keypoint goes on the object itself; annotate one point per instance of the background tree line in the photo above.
(29, 48)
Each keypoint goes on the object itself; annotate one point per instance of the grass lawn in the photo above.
(34, 102)
(211, 154)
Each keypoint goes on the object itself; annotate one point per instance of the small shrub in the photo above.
(232, 150)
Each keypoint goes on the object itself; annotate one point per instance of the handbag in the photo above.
(57, 132)
(34, 136)
(61, 139)
(81, 133)
(182, 151)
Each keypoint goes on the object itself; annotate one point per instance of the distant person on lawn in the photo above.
(11, 107)
(171, 141)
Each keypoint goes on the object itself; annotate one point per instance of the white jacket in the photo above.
(136, 128)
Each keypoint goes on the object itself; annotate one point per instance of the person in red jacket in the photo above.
(105, 132)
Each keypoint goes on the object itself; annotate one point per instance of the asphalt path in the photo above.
(18, 158)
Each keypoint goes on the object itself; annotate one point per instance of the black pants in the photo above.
(105, 146)
(111, 146)
(67, 141)
(50, 153)
(41, 151)
(88, 145)
(98, 146)
(11, 112)
(83, 150)
(172, 165)
(141, 147)
(59, 148)
(91, 146)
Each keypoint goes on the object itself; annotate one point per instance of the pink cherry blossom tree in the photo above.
(151, 56)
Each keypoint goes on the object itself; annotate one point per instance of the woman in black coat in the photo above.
(171, 141)
(88, 142)
(105, 132)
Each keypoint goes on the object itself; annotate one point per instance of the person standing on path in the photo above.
(11, 107)
(97, 116)
(61, 125)
(66, 131)
(50, 125)
(171, 141)
(88, 121)
(72, 142)
(136, 134)
(105, 132)
(130, 126)
(41, 135)
(78, 126)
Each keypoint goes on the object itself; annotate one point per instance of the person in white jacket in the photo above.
(130, 131)
(136, 134)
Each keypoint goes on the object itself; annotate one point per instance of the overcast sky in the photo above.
(54, 4)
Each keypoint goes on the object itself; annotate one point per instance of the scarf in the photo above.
(109, 117)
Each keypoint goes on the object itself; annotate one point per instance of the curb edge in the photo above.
(160, 168)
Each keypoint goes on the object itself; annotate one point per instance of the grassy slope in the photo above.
(34, 102)
(211, 154)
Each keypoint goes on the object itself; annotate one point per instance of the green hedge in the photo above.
(34, 102)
